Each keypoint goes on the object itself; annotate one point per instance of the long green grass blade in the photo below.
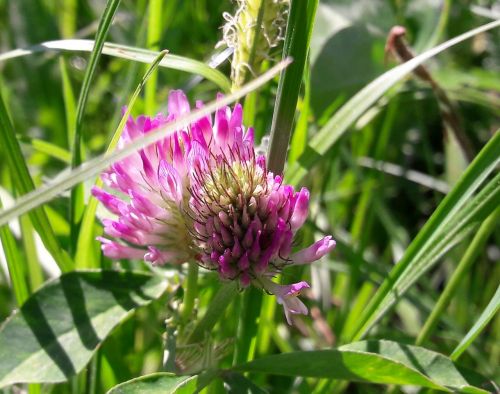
(153, 42)
(77, 193)
(174, 62)
(35, 273)
(69, 100)
(45, 147)
(98, 164)
(440, 233)
(345, 117)
(299, 136)
(298, 36)
(24, 184)
(489, 312)
(224, 296)
(14, 263)
(463, 267)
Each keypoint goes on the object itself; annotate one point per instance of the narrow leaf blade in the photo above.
(382, 362)
(161, 382)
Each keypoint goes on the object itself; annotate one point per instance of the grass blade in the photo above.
(174, 62)
(155, 17)
(69, 100)
(298, 36)
(488, 314)
(445, 224)
(24, 184)
(463, 267)
(380, 362)
(47, 148)
(224, 296)
(95, 166)
(299, 137)
(338, 125)
(35, 272)
(77, 193)
(14, 264)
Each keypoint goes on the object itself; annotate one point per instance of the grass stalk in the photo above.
(190, 293)
(475, 174)
(489, 312)
(77, 193)
(298, 35)
(153, 43)
(14, 264)
(471, 254)
(35, 273)
(24, 184)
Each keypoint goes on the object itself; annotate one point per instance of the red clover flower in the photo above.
(202, 194)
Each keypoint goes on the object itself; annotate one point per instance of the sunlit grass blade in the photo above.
(77, 154)
(24, 184)
(440, 233)
(155, 17)
(250, 307)
(300, 133)
(86, 233)
(14, 263)
(298, 36)
(69, 100)
(489, 312)
(345, 117)
(224, 296)
(472, 252)
(379, 362)
(48, 148)
(94, 166)
(35, 273)
(410, 175)
(174, 62)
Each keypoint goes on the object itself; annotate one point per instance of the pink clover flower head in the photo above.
(203, 194)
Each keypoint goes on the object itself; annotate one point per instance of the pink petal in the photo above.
(170, 181)
(114, 250)
(178, 104)
(300, 210)
(111, 202)
(156, 256)
(287, 296)
(315, 251)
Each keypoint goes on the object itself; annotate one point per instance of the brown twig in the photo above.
(398, 47)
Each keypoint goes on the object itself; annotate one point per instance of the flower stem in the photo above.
(191, 292)
(251, 302)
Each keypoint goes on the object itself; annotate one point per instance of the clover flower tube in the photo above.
(202, 194)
